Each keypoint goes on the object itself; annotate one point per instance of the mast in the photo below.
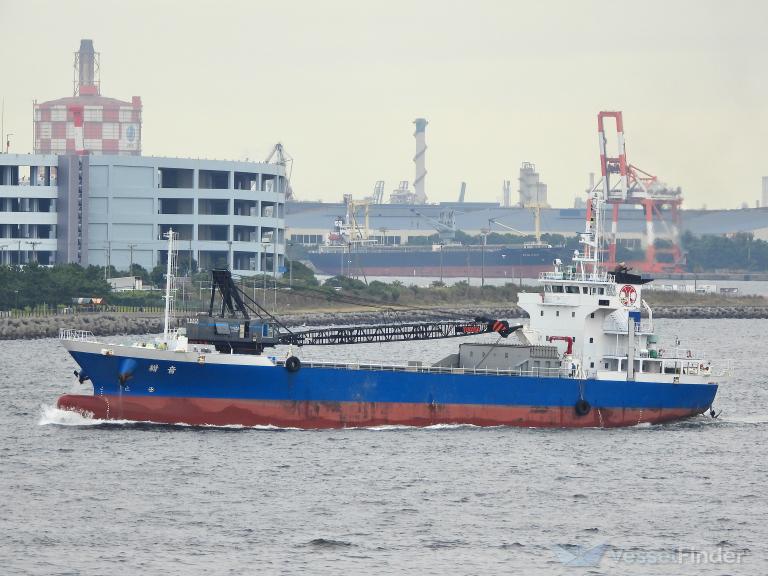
(169, 283)
(591, 238)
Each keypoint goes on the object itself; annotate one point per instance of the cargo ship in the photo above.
(349, 250)
(588, 357)
(444, 261)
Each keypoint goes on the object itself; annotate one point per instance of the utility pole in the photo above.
(107, 258)
(34, 243)
(274, 272)
(264, 275)
(484, 232)
(441, 263)
(131, 247)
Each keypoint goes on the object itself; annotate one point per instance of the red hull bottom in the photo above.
(310, 414)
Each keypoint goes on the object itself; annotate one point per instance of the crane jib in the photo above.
(396, 332)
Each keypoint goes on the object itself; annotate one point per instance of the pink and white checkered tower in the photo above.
(87, 122)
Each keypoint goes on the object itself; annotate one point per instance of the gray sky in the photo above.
(339, 83)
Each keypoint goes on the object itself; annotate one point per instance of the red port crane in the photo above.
(624, 183)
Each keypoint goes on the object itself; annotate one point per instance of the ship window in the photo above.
(506, 354)
(222, 328)
(573, 314)
(584, 290)
(591, 364)
(606, 365)
(547, 288)
(601, 290)
(591, 340)
(542, 312)
(603, 302)
(592, 315)
(557, 288)
(557, 313)
(572, 289)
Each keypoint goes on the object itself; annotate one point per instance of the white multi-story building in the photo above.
(108, 209)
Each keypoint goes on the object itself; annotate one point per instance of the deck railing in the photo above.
(76, 335)
(536, 372)
(578, 276)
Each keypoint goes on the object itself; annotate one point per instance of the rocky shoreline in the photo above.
(110, 324)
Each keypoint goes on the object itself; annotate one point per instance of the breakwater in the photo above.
(110, 324)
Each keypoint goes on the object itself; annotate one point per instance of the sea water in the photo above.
(87, 497)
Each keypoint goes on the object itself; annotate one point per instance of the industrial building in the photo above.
(308, 222)
(110, 209)
(87, 121)
(87, 196)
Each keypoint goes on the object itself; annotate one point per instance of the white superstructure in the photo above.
(603, 320)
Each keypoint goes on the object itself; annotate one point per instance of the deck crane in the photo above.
(237, 323)
(445, 225)
(537, 227)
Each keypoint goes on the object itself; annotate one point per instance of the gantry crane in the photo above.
(638, 187)
(282, 158)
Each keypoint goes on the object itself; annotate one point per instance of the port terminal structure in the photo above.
(624, 183)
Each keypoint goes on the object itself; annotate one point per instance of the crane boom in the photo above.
(537, 222)
(242, 326)
(445, 227)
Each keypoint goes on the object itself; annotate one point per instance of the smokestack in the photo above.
(418, 160)
(86, 68)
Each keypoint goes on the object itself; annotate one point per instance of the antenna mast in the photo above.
(170, 283)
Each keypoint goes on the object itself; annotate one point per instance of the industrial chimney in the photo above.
(86, 69)
(88, 123)
(418, 160)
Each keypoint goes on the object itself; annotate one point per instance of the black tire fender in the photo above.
(582, 407)
(292, 364)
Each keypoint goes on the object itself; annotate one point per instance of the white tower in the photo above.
(764, 199)
(418, 160)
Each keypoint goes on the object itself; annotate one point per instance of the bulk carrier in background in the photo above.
(350, 249)
(588, 357)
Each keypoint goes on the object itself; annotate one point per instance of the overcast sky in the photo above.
(339, 83)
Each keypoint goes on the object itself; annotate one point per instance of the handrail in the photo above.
(76, 335)
(576, 276)
(539, 372)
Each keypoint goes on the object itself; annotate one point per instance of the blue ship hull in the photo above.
(182, 391)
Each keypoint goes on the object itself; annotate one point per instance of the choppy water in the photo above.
(110, 498)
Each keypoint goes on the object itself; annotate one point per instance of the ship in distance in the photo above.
(349, 249)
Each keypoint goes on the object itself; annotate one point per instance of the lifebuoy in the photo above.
(582, 407)
(292, 364)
